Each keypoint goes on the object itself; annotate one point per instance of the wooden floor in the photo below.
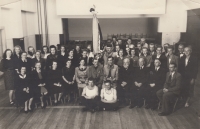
(70, 116)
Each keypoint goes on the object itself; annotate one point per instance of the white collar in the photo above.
(22, 77)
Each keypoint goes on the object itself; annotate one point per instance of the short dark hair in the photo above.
(159, 47)
(91, 79)
(4, 54)
(43, 48)
(107, 81)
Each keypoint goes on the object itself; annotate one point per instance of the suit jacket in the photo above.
(126, 75)
(190, 71)
(114, 71)
(175, 84)
(174, 59)
(163, 60)
(141, 75)
(148, 60)
(157, 77)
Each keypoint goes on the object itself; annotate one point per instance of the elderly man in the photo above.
(188, 70)
(138, 88)
(111, 72)
(96, 72)
(156, 81)
(171, 90)
(108, 52)
(125, 81)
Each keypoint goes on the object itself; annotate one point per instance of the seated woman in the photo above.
(81, 75)
(68, 76)
(54, 79)
(108, 97)
(89, 96)
(38, 83)
(23, 95)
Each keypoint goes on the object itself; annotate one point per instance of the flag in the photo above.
(97, 35)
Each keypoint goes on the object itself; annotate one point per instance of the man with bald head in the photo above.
(138, 88)
(125, 81)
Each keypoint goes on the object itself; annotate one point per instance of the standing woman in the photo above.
(23, 89)
(17, 56)
(68, 76)
(72, 57)
(7, 64)
(38, 59)
(81, 75)
(26, 62)
(119, 60)
(45, 52)
(54, 79)
(62, 56)
(50, 58)
(133, 58)
(38, 83)
(31, 52)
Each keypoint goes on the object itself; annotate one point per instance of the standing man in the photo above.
(161, 57)
(171, 58)
(108, 52)
(171, 90)
(139, 85)
(152, 49)
(188, 70)
(96, 72)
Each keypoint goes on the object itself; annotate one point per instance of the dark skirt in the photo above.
(22, 96)
(55, 89)
(9, 77)
(68, 88)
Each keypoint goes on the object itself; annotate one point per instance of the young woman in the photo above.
(72, 57)
(89, 96)
(38, 59)
(119, 60)
(52, 57)
(45, 52)
(17, 56)
(62, 56)
(23, 95)
(31, 52)
(133, 59)
(26, 62)
(38, 83)
(108, 97)
(54, 79)
(81, 75)
(7, 64)
(90, 54)
(68, 76)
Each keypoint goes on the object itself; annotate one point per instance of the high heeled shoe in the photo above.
(26, 111)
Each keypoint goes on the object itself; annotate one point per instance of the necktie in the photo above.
(170, 77)
(109, 74)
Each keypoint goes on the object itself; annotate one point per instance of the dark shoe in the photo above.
(26, 111)
(163, 114)
(11, 102)
(132, 106)
(30, 110)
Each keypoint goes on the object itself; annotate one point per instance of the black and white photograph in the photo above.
(99, 64)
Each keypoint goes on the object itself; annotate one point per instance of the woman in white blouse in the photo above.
(89, 96)
(108, 97)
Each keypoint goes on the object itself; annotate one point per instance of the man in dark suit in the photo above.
(171, 58)
(180, 53)
(170, 91)
(139, 85)
(152, 49)
(156, 81)
(161, 57)
(125, 81)
(188, 70)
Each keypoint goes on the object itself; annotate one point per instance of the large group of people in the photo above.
(123, 73)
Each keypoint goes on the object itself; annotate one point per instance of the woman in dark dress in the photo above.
(17, 56)
(54, 79)
(23, 92)
(119, 60)
(50, 58)
(45, 52)
(7, 64)
(62, 56)
(26, 62)
(31, 52)
(38, 59)
(38, 83)
(68, 75)
(72, 57)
